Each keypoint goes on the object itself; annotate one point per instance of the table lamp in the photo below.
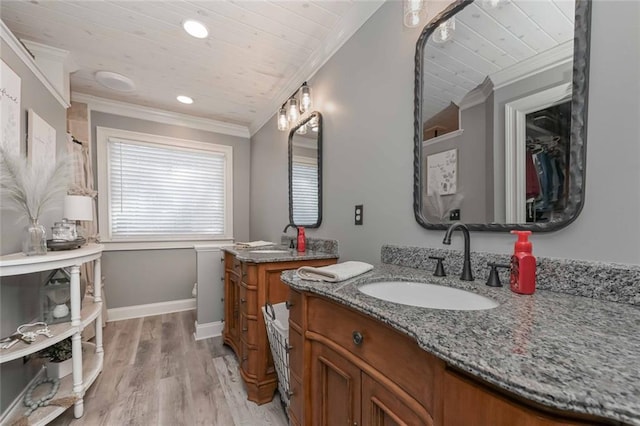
(77, 207)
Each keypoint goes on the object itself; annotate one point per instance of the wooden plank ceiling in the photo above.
(254, 51)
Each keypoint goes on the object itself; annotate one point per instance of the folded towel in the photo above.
(334, 273)
(252, 244)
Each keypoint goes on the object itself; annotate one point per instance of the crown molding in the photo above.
(159, 115)
(478, 95)
(348, 25)
(558, 55)
(25, 56)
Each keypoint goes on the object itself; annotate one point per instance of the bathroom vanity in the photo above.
(252, 278)
(546, 359)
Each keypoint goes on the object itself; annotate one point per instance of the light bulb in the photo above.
(305, 98)
(302, 130)
(412, 11)
(283, 124)
(445, 31)
(292, 110)
(491, 4)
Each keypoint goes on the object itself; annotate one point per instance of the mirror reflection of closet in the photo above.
(305, 172)
(547, 163)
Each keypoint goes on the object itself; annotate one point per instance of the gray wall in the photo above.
(365, 93)
(150, 276)
(19, 297)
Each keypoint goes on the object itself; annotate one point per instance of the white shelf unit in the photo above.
(86, 370)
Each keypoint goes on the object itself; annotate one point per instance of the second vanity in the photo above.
(546, 359)
(252, 278)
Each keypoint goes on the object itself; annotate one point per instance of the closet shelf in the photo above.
(91, 367)
(90, 311)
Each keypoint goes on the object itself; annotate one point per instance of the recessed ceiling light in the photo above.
(184, 99)
(115, 81)
(195, 28)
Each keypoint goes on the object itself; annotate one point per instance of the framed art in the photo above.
(41, 140)
(10, 85)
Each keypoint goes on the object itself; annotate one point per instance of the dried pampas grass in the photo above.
(32, 189)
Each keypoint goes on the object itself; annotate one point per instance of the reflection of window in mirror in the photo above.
(304, 175)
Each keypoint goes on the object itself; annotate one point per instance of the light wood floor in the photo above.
(156, 374)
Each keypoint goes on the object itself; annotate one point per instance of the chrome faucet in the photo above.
(291, 225)
(466, 267)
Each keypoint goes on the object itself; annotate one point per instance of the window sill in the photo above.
(162, 245)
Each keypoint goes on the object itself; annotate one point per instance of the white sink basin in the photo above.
(269, 251)
(427, 296)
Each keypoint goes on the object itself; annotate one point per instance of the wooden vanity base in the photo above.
(248, 287)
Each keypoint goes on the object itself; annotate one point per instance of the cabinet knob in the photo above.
(245, 329)
(288, 304)
(288, 348)
(243, 300)
(357, 338)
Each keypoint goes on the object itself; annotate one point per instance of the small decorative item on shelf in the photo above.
(60, 363)
(55, 297)
(31, 188)
(41, 402)
(64, 231)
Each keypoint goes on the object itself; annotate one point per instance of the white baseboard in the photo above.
(208, 330)
(139, 311)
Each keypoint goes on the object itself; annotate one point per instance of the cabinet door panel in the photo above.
(382, 406)
(467, 402)
(335, 388)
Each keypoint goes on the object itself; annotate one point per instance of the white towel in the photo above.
(252, 244)
(334, 273)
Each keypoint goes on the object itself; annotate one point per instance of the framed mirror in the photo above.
(305, 172)
(500, 115)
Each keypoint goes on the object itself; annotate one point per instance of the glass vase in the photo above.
(35, 239)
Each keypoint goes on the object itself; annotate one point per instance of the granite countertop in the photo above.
(564, 351)
(257, 254)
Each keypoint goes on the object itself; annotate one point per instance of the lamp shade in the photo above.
(78, 207)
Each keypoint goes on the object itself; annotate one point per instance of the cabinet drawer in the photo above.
(395, 355)
(249, 274)
(296, 353)
(249, 330)
(248, 301)
(295, 308)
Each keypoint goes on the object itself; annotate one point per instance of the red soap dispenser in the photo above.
(523, 265)
(301, 239)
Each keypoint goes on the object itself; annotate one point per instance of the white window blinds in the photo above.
(304, 191)
(161, 191)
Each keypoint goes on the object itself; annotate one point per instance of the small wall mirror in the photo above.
(500, 115)
(305, 172)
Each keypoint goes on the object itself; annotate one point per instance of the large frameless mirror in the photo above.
(500, 115)
(305, 172)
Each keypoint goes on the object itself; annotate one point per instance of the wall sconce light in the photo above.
(293, 109)
(413, 11)
(445, 31)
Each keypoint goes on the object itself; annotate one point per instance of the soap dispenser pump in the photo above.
(301, 240)
(523, 265)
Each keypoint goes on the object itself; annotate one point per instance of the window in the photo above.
(154, 188)
(304, 190)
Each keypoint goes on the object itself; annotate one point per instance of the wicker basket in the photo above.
(276, 318)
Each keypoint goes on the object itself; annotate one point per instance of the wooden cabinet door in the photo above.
(382, 406)
(469, 403)
(335, 389)
(232, 311)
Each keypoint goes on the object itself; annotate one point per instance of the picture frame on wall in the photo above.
(41, 139)
(442, 172)
(10, 98)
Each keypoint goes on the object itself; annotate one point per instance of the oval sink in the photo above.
(427, 296)
(269, 251)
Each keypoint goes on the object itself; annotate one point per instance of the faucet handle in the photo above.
(439, 272)
(494, 278)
